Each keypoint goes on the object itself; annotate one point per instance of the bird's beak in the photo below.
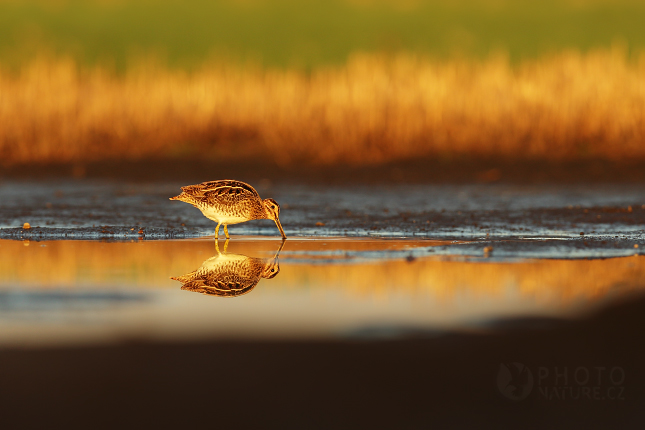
(277, 222)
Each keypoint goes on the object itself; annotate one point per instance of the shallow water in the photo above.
(90, 291)
(360, 262)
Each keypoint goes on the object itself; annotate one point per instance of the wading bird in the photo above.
(230, 202)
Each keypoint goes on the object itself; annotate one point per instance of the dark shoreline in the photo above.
(450, 381)
(460, 171)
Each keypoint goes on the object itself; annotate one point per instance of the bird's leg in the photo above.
(226, 231)
(225, 246)
(217, 246)
(217, 230)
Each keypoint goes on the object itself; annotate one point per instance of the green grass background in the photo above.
(309, 33)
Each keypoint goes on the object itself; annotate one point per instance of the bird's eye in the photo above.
(273, 207)
(273, 270)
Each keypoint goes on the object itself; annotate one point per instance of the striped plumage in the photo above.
(230, 202)
(230, 275)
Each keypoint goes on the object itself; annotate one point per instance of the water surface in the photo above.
(71, 291)
(361, 262)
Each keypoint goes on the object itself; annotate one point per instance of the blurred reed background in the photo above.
(350, 81)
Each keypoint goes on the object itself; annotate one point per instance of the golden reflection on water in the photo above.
(227, 274)
(151, 264)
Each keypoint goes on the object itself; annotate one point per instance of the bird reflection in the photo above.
(230, 275)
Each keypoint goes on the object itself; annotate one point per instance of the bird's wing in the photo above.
(222, 189)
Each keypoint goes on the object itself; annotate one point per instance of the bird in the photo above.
(230, 275)
(229, 202)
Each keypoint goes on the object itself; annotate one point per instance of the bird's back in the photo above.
(226, 199)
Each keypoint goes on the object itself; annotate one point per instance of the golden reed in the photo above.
(372, 109)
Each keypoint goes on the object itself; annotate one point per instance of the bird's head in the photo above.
(271, 269)
(272, 211)
(272, 265)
